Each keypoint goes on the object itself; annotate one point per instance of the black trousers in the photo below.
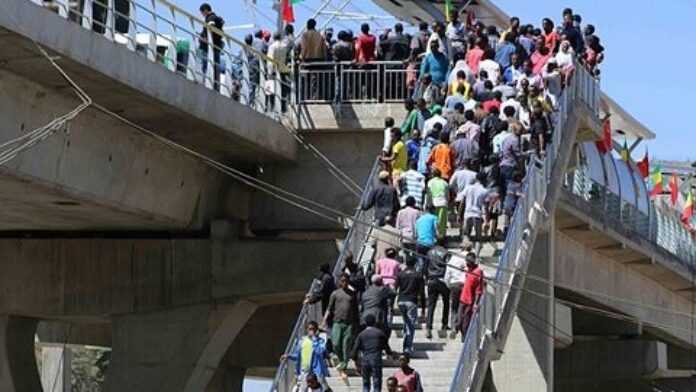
(438, 288)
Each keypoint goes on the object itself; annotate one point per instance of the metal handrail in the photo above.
(336, 82)
(660, 226)
(166, 26)
(489, 325)
(355, 239)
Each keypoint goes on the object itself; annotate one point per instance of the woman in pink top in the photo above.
(540, 57)
(388, 268)
(474, 55)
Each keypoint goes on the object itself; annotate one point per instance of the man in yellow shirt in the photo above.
(399, 155)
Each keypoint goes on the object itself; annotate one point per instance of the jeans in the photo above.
(455, 292)
(372, 374)
(341, 338)
(437, 288)
(409, 312)
(423, 261)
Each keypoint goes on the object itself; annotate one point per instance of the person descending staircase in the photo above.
(434, 359)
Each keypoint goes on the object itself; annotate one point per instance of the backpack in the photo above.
(438, 262)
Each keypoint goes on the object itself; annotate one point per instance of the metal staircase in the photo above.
(490, 325)
(489, 328)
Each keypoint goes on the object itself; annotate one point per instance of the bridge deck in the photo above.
(137, 88)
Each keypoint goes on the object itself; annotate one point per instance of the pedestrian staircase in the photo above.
(448, 364)
(435, 359)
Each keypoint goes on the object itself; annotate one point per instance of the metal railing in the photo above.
(660, 226)
(354, 245)
(490, 324)
(348, 82)
(185, 45)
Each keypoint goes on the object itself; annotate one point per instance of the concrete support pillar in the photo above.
(173, 351)
(526, 364)
(56, 365)
(18, 371)
(227, 379)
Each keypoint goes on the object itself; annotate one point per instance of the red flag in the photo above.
(644, 165)
(674, 188)
(287, 11)
(605, 144)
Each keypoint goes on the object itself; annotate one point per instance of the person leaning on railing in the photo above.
(211, 19)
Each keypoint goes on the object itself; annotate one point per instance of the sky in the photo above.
(650, 45)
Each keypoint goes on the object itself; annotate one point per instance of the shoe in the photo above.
(344, 377)
(429, 334)
(453, 335)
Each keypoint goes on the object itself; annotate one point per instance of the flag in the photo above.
(286, 10)
(656, 182)
(625, 154)
(605, 144)
(674, 188)
(448, 9)
(644, 165)
(688, 211)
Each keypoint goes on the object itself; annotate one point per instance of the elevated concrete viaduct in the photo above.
(110, 238)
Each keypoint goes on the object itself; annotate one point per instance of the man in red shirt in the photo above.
(365, 45)
(471, 293)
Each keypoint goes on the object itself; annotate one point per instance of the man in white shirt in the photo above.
(461, 179)
(454, 279)
(387, 145)
(491, 67)
(475, 198)
(435, 119)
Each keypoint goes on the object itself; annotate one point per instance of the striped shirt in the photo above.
(412, 184)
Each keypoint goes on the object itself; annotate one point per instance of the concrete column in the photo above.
(56, 365)
(526, 364)
(227, 379)
(18, 371)
(174, 351)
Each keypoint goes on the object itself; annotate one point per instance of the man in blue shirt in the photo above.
(436, 64)
(505, 51)
(426, 236)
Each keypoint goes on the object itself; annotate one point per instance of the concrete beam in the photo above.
(143, 91)
(620, 287)
(352, 151)
(86, 280)
(616, 360)
(99, 174)
(586, 323)
(18, 372)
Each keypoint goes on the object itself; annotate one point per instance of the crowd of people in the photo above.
(483, 102)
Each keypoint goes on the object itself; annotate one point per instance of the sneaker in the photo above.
(429, 334)
(453, 335)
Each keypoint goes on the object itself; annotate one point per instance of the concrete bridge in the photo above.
(111, 238)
